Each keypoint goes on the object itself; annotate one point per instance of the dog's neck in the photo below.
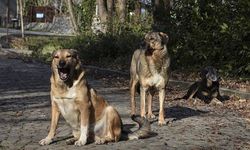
(157, 53)
(156, 59)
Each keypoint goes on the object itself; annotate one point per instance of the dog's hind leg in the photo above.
(76, 135)
(111, 127)
(133, 83)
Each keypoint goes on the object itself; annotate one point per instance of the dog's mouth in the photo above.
(64, 73)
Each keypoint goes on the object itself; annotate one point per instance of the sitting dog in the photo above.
(150, 68)
(89, 115)
(207, 88)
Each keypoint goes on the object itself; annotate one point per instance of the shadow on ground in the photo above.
(179, 112)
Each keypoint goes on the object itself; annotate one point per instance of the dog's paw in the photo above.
(151, 116)
(100, 141)
(162, 122)
(215, 101)
(45, 141)
(80, 142)
(70, 141)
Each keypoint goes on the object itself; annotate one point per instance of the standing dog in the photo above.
(150, 68)
(89, 115)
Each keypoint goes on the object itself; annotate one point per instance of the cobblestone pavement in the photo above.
(25, 116)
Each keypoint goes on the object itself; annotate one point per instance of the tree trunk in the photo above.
(60, 7)
(161, 14)
(103, 12)
(7, 18)
(122, 10)
(21, 16)
(110, 7)
(72, 16)
(137, 10)
(46, 2)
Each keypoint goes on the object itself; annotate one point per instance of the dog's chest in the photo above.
(155, 80)
(68, 107)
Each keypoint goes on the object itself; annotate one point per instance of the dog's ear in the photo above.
(164, 36)
(75, 53)
(204, 73)
(146, 40)
(147, 37)
(53, 55)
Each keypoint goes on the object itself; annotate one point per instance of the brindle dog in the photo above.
(150, 68)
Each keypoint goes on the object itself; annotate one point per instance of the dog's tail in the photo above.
(142, 132)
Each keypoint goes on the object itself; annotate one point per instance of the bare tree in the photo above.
(122, 10)
(161, 12)
(103, 12)
(21, 16)
(137, 10)
(8, 18)
(110, 7)
(72, 16)
(106, 10)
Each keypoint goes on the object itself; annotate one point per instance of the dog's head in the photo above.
(156, 40)
(65, 63)
(209, 73)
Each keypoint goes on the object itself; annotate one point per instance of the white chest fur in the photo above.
(68, 108)
(156, 80)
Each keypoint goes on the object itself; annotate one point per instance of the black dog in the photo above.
(207, 88)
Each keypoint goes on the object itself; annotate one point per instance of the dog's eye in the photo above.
(68, 56)
(56, 56)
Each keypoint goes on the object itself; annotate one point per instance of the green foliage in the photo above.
(108, 50)
(85, 12)
(202, 32)
(211, 32)
(43, 46)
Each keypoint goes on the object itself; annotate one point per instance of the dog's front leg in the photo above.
(132, 96)
(143, 97)
(54, 120)
(84, 116)
(149, 98)
(161, 120)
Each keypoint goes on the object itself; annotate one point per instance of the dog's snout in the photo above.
(62, 63)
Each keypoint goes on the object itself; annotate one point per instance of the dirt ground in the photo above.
(25, 114)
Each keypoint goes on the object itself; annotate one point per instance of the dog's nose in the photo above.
(62, 63)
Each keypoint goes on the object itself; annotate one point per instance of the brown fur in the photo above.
(89, 115)
(150, 69)
(80, 106)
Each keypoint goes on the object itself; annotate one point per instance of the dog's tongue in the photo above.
(63, 74)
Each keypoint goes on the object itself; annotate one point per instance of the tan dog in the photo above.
(89, 115)
(150, 69)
